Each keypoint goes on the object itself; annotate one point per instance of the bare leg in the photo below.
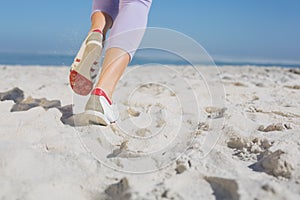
(101, 21)
(127, 15)
(84, 68)
(114, 64)
(125, 36)
(116, 60)
(130, 20)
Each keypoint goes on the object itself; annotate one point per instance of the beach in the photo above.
(183, 132)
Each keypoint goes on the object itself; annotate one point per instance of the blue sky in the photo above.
(249, 29)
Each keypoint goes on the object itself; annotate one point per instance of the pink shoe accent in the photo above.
(100, 92)
(97, 30)
(80, 84)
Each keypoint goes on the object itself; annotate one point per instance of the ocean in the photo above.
(66, 60)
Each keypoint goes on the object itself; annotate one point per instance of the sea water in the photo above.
(29, 59)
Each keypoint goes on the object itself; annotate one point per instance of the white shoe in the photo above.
(99, 108)
(85, 67)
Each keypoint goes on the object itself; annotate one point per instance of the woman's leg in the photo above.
(101, 21)
(125, 37)
(104, 13)
(85, 67)
(123, 41)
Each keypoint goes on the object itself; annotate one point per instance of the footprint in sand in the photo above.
(152, 89)
(246, 148)
(17, 95)
(278, 164)
(275, 127)
(30, 102)
(224, 188)
(119, 191)
(215, 112)
(294, 87)
(295, 71)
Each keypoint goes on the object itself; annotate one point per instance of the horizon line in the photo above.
(217, 58)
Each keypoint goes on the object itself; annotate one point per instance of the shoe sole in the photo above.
(80, 75)
(85, 119)
(96, 118)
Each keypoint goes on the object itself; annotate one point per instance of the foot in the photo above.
(99, 109)
(85, 66)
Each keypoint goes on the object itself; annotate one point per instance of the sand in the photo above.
(182, 133)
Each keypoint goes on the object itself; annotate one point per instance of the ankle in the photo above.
(97, 30)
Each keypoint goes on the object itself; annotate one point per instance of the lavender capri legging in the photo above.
(129, 22)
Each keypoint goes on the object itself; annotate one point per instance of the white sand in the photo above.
(243, 146)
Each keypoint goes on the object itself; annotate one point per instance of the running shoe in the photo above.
(85, 67)
(99, 108)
